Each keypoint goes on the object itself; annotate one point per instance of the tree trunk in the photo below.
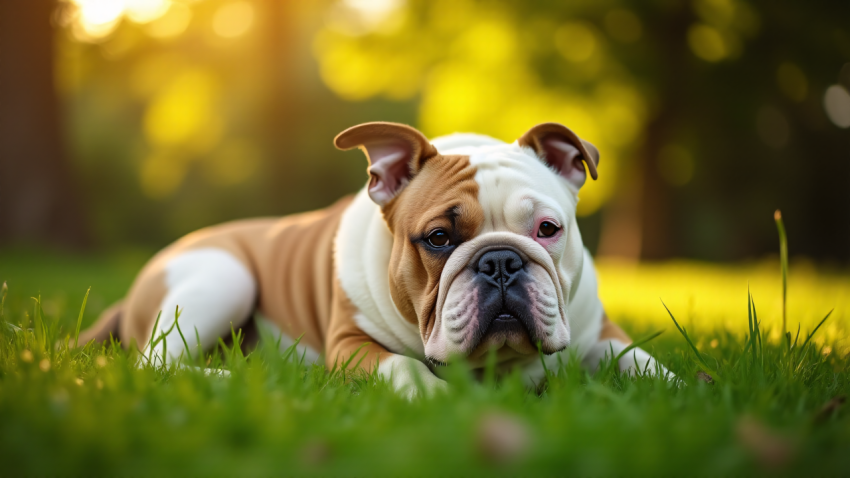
(637, 224)
(282, 125)
(38, 203)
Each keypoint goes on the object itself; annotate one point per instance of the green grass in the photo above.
(92, 412)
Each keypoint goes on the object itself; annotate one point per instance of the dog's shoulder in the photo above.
(586, 309)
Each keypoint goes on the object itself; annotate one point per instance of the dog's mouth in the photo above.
(505, 322)
(507, 333)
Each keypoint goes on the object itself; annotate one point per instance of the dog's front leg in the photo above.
(345, 343)
(408, 376)
(612, 339)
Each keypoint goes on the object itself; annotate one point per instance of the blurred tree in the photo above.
(709, 114)
(688, 100)
(38, 199)
(186, 113)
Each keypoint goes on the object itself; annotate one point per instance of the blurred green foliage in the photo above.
(709, 114)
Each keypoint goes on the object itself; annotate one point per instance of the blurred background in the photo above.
(128, 123)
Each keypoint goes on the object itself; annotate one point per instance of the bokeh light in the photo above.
(233, 19)
(191, 100)
(792, 81)
(144, 11)
(95, 20)
(707, 43)
(173, 23)
(576, 41)
(836, 102)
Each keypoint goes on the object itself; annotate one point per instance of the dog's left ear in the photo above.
(562, 149)
(396, 152)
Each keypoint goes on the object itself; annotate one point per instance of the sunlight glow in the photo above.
(359, 17)
(697, 291)
(145, 11)
(233, 19)
(94, 20)
(376, 10)
(183, 113)
(173, 23)
(100, 12)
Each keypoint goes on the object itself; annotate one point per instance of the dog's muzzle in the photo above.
(498, 291)
(503, 303)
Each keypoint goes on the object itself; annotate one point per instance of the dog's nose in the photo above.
(500, 266)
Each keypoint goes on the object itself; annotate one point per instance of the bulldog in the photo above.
(457, 248)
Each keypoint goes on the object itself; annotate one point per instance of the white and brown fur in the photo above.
(362, 271)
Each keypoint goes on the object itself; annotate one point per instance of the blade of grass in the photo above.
(4, 290)
(816, 329)
(637, 344)
(760, 353)
(803, 347)
(543, 361)
(164, 357)
(783, 259)
(693, 347)
(236, 336)
(80, 318)
(292, 349)
(354, 354)
(797, 337)
(744, 353)
(200, 349)
(37, 321)
(177, 323)
(153, 334)
(752, 329)
(359, 361)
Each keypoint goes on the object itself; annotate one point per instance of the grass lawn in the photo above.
(769, 410)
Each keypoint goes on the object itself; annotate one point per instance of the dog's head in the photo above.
(486, 251)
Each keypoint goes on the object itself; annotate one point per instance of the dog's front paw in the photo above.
(634, 361)
(410, 378)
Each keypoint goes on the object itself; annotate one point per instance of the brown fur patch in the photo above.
(444, 194)
(142, 304)
(345, 337)
(612, 331)
(290, 258)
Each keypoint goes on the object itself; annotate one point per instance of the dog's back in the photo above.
(282, 267)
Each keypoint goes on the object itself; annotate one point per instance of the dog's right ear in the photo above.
(563, 150)
(396, 152)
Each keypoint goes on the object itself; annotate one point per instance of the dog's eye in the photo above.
(547, 229)
(438, 238)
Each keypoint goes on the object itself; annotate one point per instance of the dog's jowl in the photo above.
(456, 247)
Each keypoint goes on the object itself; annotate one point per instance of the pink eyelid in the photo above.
(548, 219)
(553, 236)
